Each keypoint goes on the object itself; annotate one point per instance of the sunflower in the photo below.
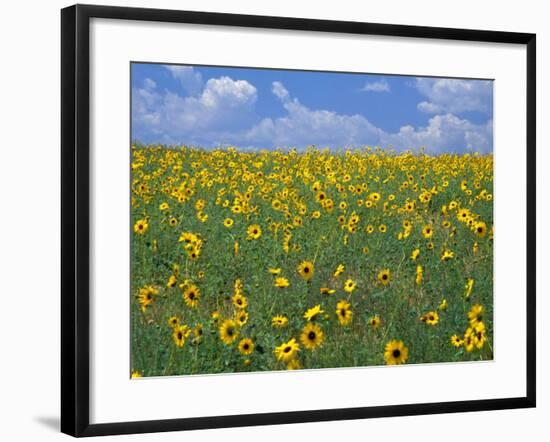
(343, 312)
(419, 272)
(287, 350)
(430, 318)
(480, 335)
(469, 339)
(281, 282)
(274, 271)
(173, 321)
(293, 364)
(374, 322)
(480, 228)
(463, 215)
(457, 341)
(447, 255)
(384, 276)
(312, 336)
(321, 196)
(136, 374)
(253, 232)
(228, 331)
(228, 222)
(312, 313)
(246, 346)
(164, 206)
(239, 301)
(415, 254)
(141, 226)
(197, 332)
(382, 228)
(305, 270)
(326, 291)
(171, 281)
(395, 353)
(146, 296)
(180, 335)
(339, 270)
(427, 231)
(468, 288)
(279, 321)
(475, 315)
(241, 317)
(349, 285)
(443, 305)
(191, 296)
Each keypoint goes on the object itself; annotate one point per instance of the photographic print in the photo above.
(287, 219)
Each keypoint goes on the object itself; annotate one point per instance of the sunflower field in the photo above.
(276, 259)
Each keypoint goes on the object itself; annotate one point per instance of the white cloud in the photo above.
(444, 133)
(149, 84)
(302, 126)
(223, 112)
(455, 96)
(190, 79)
(223, 104)
(376, 86)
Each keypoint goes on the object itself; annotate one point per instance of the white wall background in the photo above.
(29, 218)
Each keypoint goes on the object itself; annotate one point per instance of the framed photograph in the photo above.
(274, 220)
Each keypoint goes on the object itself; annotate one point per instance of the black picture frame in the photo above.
(75, 212)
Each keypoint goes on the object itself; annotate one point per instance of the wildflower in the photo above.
(312, 336)
(384, 276)
(228, 332)
(279, 321)
(281, 282)
(287, 350)
(305, 270)
(246, 346)
(343, 312)
(349, 285)
(395, 353)
(312, 313)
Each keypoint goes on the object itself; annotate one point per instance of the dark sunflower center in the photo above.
(431, 318)
(343, 312)
(191, 295)
(480, 229)
(229, 332)
(306, 269)
(180, 335)
(246, 346)
(396, 353)
(384, 276)
(149, 296)
(287, 349)
(311, 335)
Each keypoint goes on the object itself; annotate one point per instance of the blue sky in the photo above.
(265, 108)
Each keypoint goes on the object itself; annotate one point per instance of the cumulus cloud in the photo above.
(376, 86)
(189, 79)
(224, 112)
(446, 95)
(444, 133)
(302, 126)
(223, 104)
